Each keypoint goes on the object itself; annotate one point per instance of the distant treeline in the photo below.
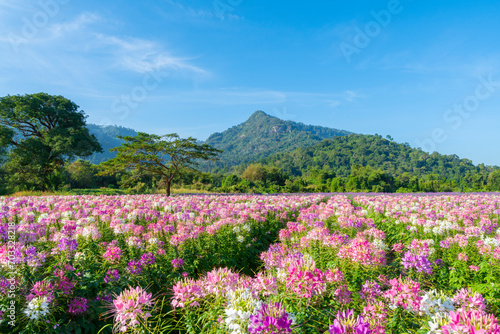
(352, 163)
(259, 178)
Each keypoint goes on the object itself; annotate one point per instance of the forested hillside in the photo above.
(341, 154)
(263, 135)
(106, 135)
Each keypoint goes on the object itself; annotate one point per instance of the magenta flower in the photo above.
(346, 322)
(468, 300)
(419, 262)
(42, 289)
(134, 267)
(77, 305)
(305, 283)
(177, 262)
(270, 319)
(112, 254)
(147, 259)
(370, 291)
(111, 276)
(343, 294)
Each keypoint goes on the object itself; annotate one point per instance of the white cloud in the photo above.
(142, 56)
(81, 22)
(78, 52)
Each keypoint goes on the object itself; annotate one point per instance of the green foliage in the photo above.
(159, 156)
(494, 181)
(41, 132)
(371, 163)
(255, 172)
(340, 154)
(82, 174)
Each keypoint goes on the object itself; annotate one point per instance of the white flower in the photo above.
(241, 306)
(153, 241)
(37, 307)
(436, 322)
(494, 243)
(380, 244)
(80, 256)
(240, 238)
(281, 274)
(436, 303)
(246, 227)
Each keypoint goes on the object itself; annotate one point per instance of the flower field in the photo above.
(250, 264)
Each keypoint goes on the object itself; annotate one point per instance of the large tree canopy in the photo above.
(41, 133)
(164, 156)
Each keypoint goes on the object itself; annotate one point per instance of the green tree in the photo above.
(337, 185)
(163, 156)
(255, 172)
(494, 181)
(82, 174)
(41, 133)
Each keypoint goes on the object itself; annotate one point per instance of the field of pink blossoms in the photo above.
(250, 264)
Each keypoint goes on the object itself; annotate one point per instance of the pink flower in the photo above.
(474, 322)
(186, 293)
(42, 289)
(266, 285)
(404, 293)
(305, 283)
(343, 294)
(362, 252)
(468, 300)
(112, 254)
(334, 276)
(398, 247)
(376, 314)
(220, 281)
(130, 308)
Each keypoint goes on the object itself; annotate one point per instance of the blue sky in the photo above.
(425, 72)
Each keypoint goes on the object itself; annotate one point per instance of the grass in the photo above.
(101, 191)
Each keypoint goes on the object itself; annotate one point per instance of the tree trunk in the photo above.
(168, 187)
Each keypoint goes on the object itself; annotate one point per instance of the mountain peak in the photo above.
(259, 115)
(263, 135)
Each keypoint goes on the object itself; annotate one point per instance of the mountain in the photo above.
(263, 135)
(106, 135)
(341, 154)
